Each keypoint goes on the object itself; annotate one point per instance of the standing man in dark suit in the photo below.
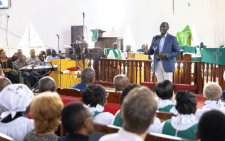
(167, 49)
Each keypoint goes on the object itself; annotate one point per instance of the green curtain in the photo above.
(94, 35)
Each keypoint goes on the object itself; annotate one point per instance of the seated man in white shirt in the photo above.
(120, 82)
(142, 103)
(115, 53)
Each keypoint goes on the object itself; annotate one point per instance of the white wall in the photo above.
(143, 17)
(218, 18)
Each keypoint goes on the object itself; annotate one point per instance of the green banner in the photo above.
(182, 37)
(188, 49)
(94, 35)
(214, 56)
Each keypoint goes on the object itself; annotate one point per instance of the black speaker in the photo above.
(78, 33)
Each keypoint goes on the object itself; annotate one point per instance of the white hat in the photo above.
(15, 98)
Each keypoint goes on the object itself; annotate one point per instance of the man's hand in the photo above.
(6, 70)
(162, 55)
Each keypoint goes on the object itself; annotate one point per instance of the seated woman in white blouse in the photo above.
(96, 98)
(212, 93)
(184, 124)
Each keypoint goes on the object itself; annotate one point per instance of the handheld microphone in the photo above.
(156, 40)
(57, 35)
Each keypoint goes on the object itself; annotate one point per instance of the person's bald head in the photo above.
(4, 82)
(120, 82)
(46, 84)
(88, 76)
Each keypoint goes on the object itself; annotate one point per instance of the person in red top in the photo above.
(16, 55)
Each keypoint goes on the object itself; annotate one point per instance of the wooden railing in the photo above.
(184, 73)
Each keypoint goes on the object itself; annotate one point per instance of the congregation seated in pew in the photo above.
(77, 122)
(120, 82)
(154, 127)
(164, 90)
(7, 67)
(212, 93)
(143, 105)
(95, 97)
(21, 62)
(211, 126)
(185, 123)
(46, 110)
(16, 98)
(87, 78)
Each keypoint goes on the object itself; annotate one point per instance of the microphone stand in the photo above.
(154, 45)
(154, 48)
(59, 60)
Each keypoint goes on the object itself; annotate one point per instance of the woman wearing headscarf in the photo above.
(16, 98)
(7, 67)
(46, 110)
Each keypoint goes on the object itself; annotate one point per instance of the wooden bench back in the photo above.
(113, 97)
(3, 139)
(69, 92)
(109, 130)
(164, 115)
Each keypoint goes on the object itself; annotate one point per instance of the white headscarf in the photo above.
(15, 98)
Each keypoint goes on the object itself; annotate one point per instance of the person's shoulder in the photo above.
(110, 137)
(62, 138)
(171, 36)
(107, 114)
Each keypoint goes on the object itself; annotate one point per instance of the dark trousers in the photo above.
(12, 76)
(29, 77)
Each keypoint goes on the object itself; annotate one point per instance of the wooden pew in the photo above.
(4, 139)
(164, 115)
(69, 92)
(109, 130)
(113, 97)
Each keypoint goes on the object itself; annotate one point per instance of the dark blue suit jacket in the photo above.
(171, 48)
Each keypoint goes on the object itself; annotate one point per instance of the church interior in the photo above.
(81, 50)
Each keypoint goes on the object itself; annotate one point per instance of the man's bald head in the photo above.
(120, 82)
(88, 76)
(47, 84)
(4, 82)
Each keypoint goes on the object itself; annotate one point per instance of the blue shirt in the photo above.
(161, 43)
(51, 57)
(80, 86)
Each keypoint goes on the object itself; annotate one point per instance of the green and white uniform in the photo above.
(100, 116)
(183, 126)
(166, 106)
